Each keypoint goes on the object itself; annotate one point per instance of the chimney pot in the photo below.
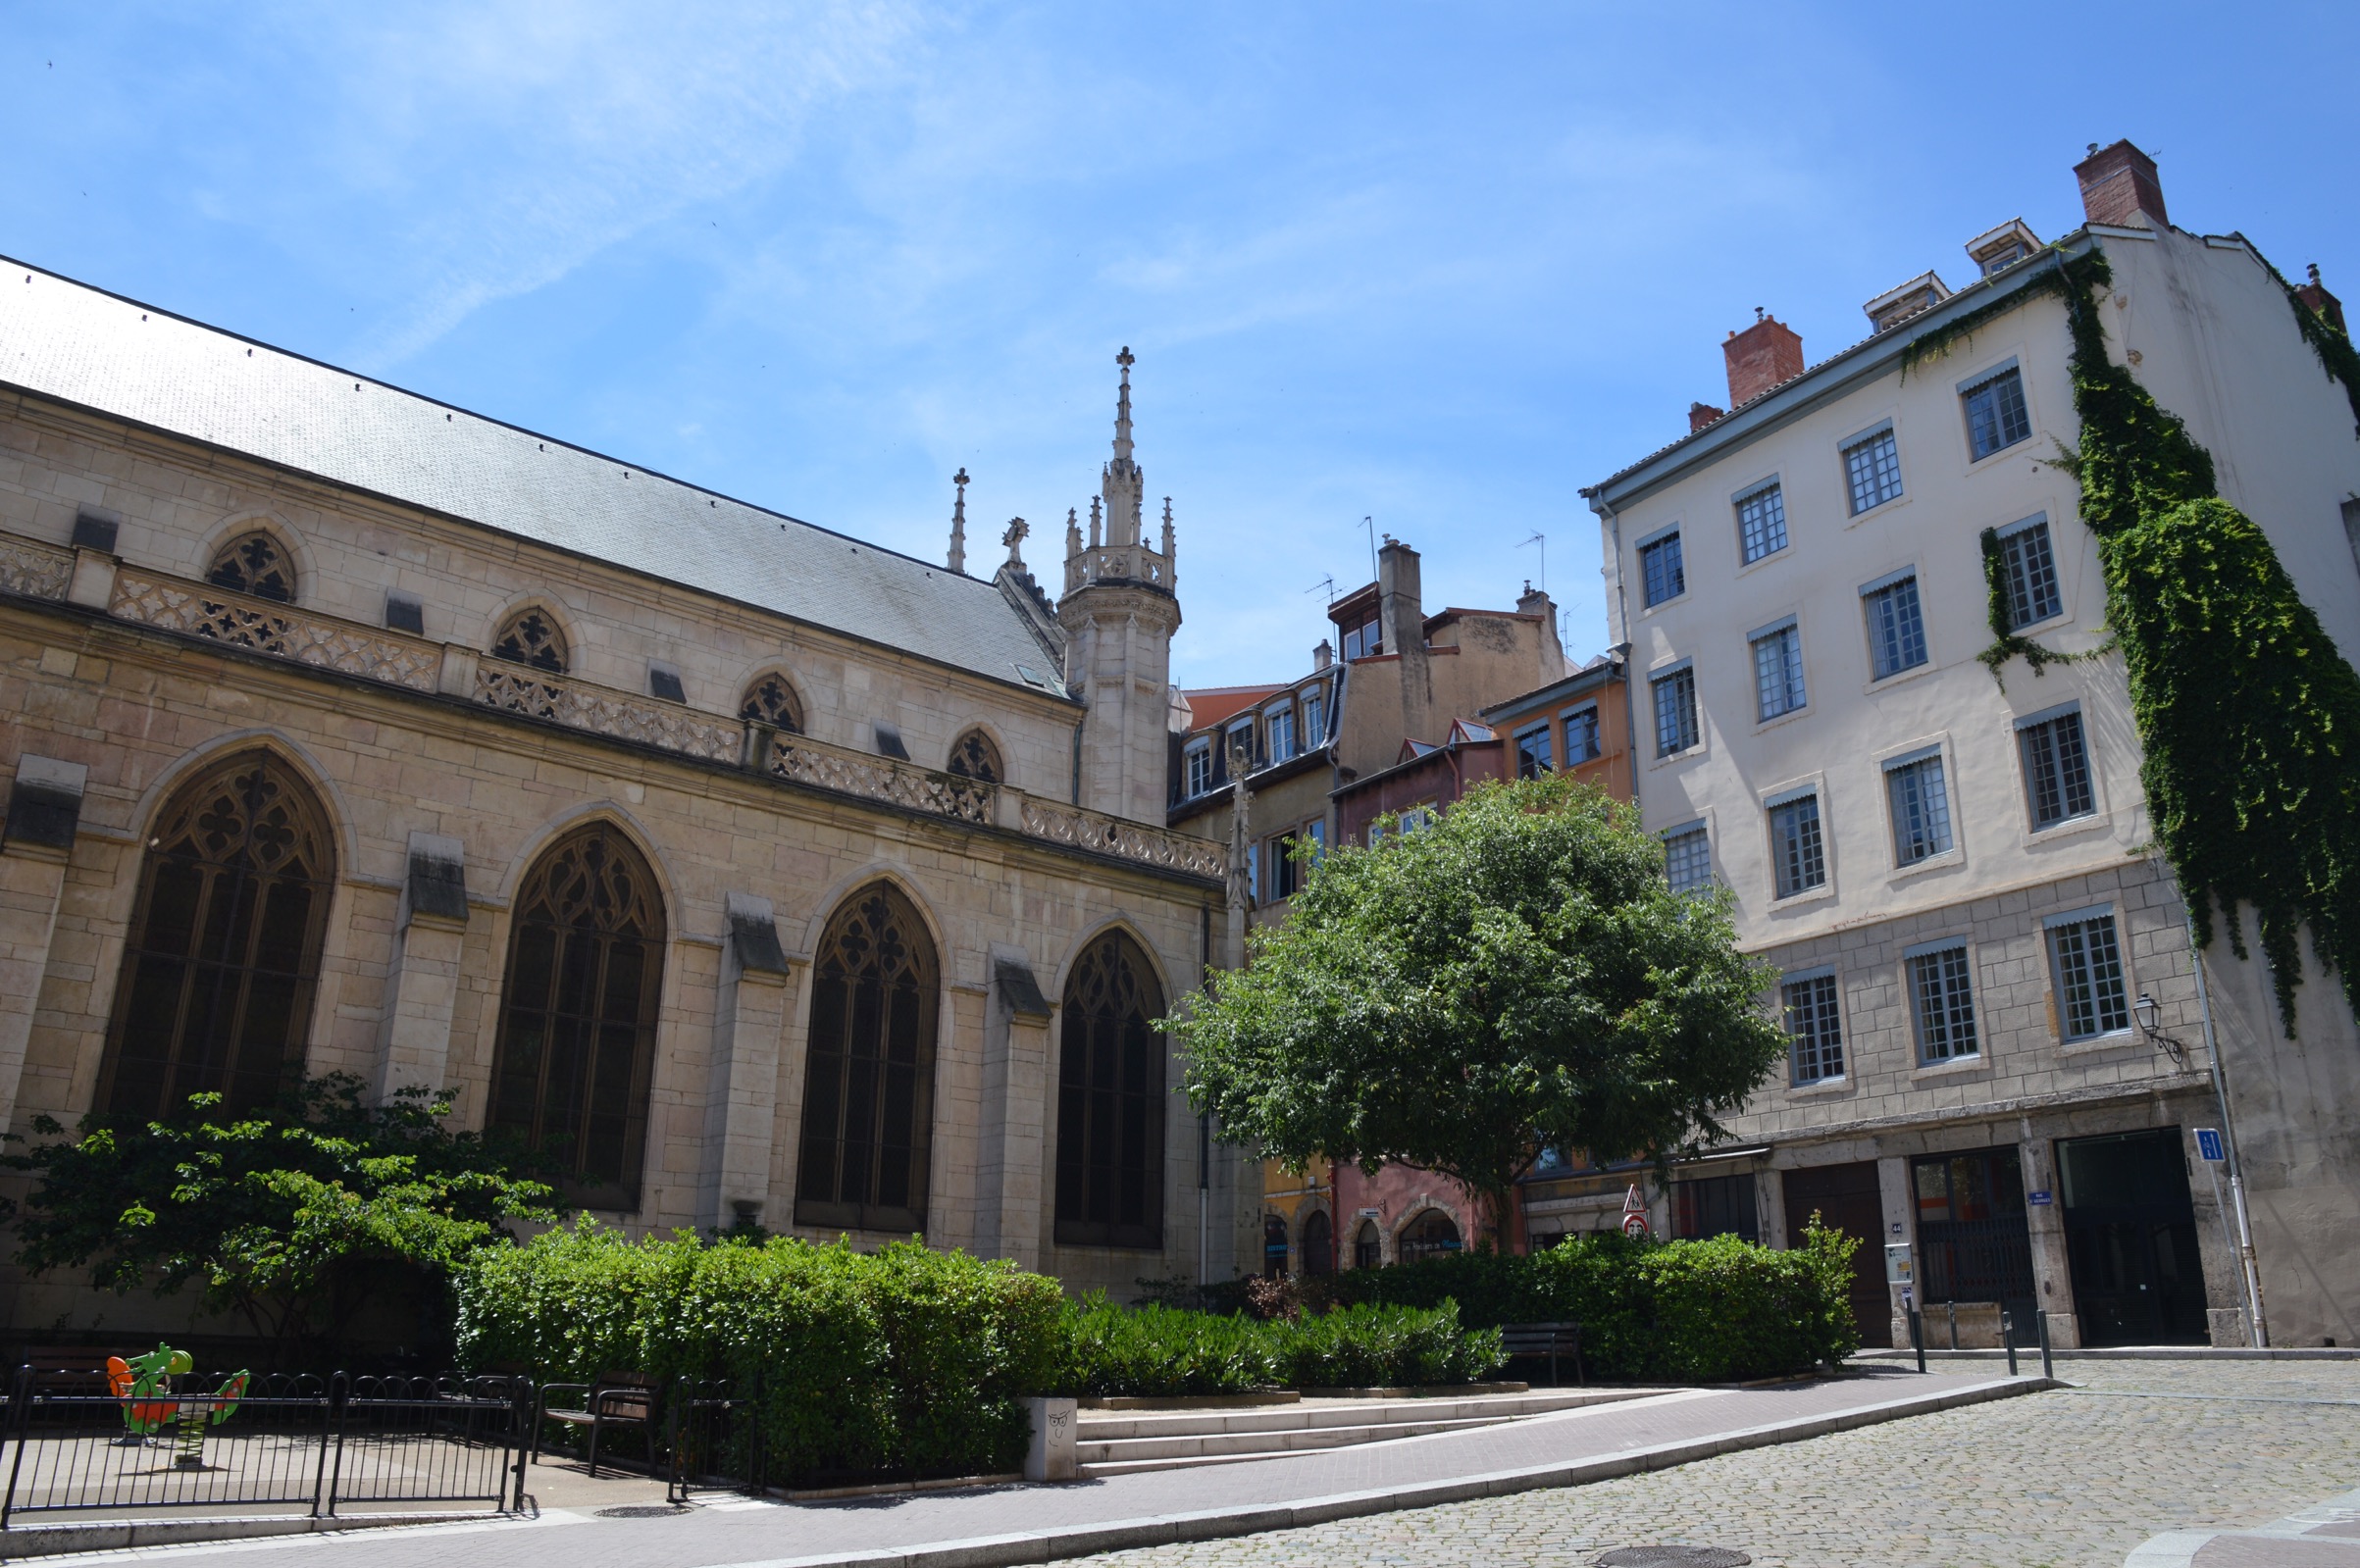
(2319, 302)
(1760, 357)
(1700, 415)
(2119, 187)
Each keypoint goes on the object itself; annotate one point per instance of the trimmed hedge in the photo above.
(914, 1361)
(903, 1360)
(1684, 1311)
(1160, 1351)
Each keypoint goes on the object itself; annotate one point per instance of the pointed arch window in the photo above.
(256, 564)
(975, 757)
(577, 1043)
(772, 701)
(1111, 1100)
(223, 957)
(532, 637)
(868, 1086)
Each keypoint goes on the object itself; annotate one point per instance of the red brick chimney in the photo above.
(1760, 357)
(1700, 415)
(2316, 300)
(2118, 182)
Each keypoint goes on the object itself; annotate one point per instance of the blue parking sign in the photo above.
(2208, 1144)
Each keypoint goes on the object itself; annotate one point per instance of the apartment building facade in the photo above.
(1286, 755)
(2002, 1043)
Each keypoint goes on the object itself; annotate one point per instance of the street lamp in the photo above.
(2147, 1013)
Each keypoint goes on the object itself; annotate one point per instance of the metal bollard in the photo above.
(2007, 1336)
(2048, 1368)
(1918, 1337)
(1954, 1323)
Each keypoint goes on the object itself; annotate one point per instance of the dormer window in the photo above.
(1314, 719)
(1364, 641)
(254, 563)
(1279, 723)
(2003, 247)
(532, 637)
(1240, 745)
(1195, 770)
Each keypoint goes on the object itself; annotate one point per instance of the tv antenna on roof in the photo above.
(1541, 540)
(1328, 583)
(1370, 523)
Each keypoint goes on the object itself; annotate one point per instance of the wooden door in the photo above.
(1846, 1198)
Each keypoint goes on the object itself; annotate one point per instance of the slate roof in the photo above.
(68, 341)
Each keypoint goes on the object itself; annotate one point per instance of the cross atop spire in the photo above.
(1122, 407)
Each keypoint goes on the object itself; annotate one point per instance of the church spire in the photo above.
(958, 523)
(1123, 485)
(1122, 407)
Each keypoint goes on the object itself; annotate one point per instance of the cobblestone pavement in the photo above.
(2079, 1476)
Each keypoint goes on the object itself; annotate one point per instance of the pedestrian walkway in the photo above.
(2326, 1535)
(983, 1526)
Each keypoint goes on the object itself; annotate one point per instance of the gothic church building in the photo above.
(763, 873)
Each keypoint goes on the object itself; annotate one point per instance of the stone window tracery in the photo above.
(772, 701)
(256, 564)
(223, 956)
(974, 756)
(576, 1047)
(868, 1096)
(532, 637)
(1110, 1101)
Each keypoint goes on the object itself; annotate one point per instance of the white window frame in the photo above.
(1195, 755)
(1278, 723)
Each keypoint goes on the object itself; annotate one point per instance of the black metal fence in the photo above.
(714, 1440)
(287, 1442)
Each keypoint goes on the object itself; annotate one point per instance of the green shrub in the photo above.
(1163, 1353)
(1369, 1346)
(1685, 1311)
(906, 1359)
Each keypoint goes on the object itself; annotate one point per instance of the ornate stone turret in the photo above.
(1119, 612)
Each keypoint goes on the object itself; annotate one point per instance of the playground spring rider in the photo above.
(143, 1385)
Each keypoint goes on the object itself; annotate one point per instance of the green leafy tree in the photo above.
(292, 1219)
(1513, 976)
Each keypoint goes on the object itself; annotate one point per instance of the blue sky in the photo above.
(1438, 265)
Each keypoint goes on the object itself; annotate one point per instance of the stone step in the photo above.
(1093, 1452)
(1116, 1443)
(1112, 1424)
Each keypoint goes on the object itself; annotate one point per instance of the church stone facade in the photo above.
(760, 874)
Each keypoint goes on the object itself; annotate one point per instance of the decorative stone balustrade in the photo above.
(1118, 563)
(850, 773)
(201, 610)
(604, 711)
(35, 570)
(1128, 840)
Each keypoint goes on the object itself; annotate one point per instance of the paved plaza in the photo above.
(2077, 1476)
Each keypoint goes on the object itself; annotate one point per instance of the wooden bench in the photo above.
(71, 1371)
(616, 1399)
(1551, 1339)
